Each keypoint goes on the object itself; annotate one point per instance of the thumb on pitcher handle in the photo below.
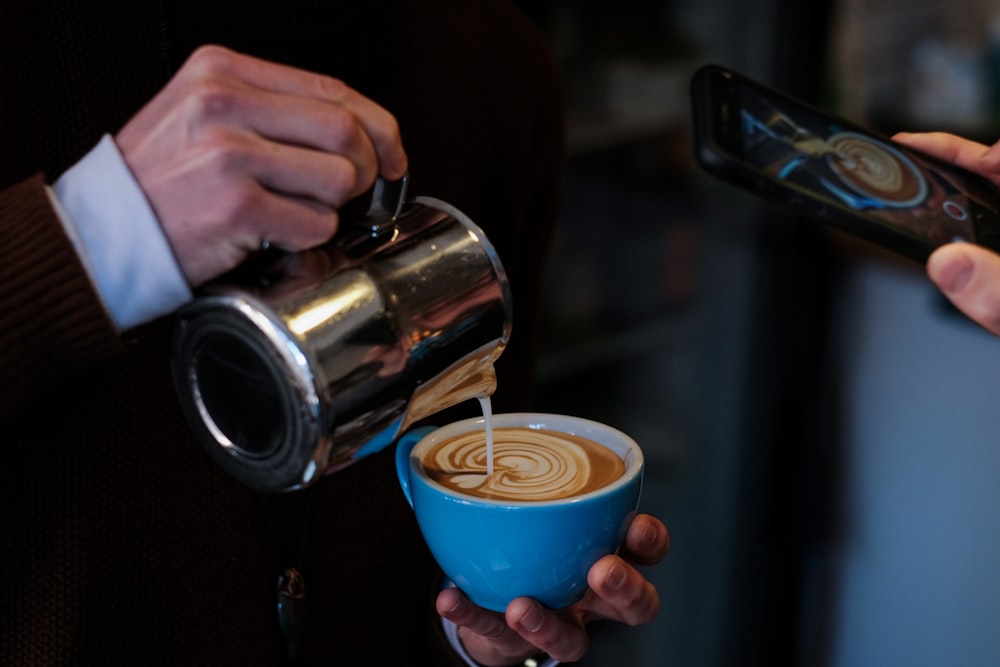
(403, 448)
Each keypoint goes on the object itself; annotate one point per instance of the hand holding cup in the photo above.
(533, 565)
(617, 591)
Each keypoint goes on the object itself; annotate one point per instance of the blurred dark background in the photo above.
(820, 428)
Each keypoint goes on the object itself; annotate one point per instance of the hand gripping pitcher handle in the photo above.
(297, 364)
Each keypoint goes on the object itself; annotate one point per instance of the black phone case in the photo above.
(717, 146)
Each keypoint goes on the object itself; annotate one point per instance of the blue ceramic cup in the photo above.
(498, 550)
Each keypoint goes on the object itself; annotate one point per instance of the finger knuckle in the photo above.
(342, 180)
(573, 651)
(224, 153)
(210, 98)
(236, 204)
(385, 127)
(644, 609)
(632, 598)
(330, 88)
(212, 59)
(342, 127)
(495, 629)
(326, 227)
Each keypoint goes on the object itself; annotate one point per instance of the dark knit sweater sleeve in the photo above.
(53, 322)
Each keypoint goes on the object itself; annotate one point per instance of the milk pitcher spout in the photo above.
(297, 365)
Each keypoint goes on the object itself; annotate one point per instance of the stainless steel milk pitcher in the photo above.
(297, 365)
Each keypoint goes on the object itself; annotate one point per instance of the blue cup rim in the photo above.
(608, 436)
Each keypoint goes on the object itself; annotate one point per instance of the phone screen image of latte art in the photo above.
(529, 464)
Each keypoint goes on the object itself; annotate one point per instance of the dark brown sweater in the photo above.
(120, 542)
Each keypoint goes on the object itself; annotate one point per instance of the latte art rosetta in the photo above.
(529, 464)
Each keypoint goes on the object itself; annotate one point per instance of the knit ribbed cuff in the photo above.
(53, 322)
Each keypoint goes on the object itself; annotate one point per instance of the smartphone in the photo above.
(832, 169)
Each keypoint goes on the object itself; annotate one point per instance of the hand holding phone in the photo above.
(838, 171)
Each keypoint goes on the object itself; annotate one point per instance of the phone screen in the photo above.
(848, 167)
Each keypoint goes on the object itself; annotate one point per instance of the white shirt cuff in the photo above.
(119, 239)
(451, 632)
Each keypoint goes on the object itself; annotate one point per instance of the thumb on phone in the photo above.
(969, 275)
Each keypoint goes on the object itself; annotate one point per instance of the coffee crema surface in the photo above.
(528, 464)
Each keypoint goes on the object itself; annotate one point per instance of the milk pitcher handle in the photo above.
(388, 198)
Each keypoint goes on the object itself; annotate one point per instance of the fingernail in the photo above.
(648, 537)
(532, 619)
(615, 577)
(955, 275)
(455, 608)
